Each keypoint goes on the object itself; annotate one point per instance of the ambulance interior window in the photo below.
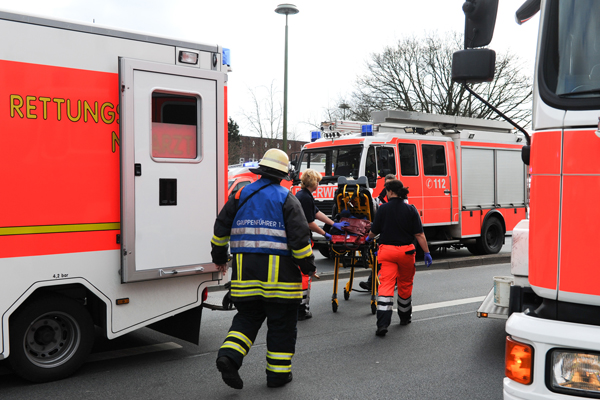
(434, 159)
(408, 159)
(174, 126)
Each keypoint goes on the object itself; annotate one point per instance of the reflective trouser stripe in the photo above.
(279, 362)
(238, 262)
(385, 303)
(404, 305)
(273, 269)
(237, 341)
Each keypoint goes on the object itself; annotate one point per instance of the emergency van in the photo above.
(553, 303)
(113, 167)
(464, 174)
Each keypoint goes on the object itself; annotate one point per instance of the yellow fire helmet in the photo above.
(276, 159)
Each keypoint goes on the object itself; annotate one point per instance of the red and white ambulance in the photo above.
(465, 175)
(113, 167)
(553, 347)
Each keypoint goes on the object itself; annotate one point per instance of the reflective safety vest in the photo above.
(258, 226)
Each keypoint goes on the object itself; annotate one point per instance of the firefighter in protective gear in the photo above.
(398, 224)
(268, 235)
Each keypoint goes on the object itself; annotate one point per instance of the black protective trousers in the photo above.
(281, 334)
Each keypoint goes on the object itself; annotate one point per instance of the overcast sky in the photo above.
(329, 40)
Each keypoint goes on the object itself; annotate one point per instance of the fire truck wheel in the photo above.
(492, 237)
(50, 338)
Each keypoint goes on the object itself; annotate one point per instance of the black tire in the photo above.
(324, 250)
(334, 306)
(492, 237)
(373, 308)
(346, 294)
(473, 248)
(50, 338)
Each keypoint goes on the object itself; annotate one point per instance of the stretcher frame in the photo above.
(359, 204)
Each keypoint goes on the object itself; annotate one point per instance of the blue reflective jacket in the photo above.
(258, 226)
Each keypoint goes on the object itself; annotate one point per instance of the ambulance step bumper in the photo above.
(489, 309)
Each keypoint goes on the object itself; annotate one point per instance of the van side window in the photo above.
(408, 159)
(434, 159)
(174, 126)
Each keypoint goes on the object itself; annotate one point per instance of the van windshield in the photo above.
(571, 63)
(332, 162)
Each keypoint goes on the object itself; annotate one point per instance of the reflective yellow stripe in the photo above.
(273, 269)
(279, 368)
(280, 356)
(234, 346)
(266, 293)
(268, 285)
(30, 230)
(302, 253)
(241, 336)
(238, 258)
(219, 241)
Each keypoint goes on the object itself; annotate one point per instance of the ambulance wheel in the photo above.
(334, 306)
(492, 237)
(346, 294)
(50, 338)
(373, 308)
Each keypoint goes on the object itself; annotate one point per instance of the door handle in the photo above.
(446, 191)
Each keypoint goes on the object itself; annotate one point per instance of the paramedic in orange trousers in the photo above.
(398, 224)
(379, 200)
(309, 183)
(269, 239)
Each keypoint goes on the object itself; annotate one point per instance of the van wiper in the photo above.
(577, 94)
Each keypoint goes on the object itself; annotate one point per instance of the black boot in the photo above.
(229, 372)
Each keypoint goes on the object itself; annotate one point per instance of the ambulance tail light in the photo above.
(204, 294)
(518, 361)
(575, 372)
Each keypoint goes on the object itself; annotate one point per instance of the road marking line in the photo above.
(134, 351)
(449, 303)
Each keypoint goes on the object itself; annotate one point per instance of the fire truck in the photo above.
(464, 174)
(553, 326)
(113, 161)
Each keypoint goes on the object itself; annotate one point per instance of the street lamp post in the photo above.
(286, 9)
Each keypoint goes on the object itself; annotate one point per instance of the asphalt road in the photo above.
(446, 353)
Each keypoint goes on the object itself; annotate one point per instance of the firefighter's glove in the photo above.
(327, 236)
(428, 260)
(340, 225)
(307, 265)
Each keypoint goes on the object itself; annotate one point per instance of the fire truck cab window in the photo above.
(174, 126)
(380, 162)
(434, 160)
(408, 159)
(332, 162)
(570, 62)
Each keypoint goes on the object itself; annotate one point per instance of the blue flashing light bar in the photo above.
(251, 164)
(366, 130)
(226, 57)
(315, 135)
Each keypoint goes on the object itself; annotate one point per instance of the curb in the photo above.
(461, 262)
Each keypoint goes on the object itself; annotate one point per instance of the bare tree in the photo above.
(416, 75)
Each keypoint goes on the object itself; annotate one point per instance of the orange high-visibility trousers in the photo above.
(397, 270)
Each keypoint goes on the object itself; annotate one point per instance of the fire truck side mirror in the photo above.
(480, 19)
(525, 152)
(473, 65)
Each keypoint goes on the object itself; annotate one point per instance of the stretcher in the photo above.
(351, 250)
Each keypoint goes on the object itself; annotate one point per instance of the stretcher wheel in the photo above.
(346, 294)
(334, 305)
(373, 307)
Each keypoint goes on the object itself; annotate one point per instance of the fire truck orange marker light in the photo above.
(120, 302)
(519, 361)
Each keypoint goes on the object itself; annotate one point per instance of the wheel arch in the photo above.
(493, 214)
(95, 302)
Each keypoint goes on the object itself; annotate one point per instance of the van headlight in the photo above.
(575, 372)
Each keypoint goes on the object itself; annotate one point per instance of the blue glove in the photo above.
(340, 225)
(327, 236)
(428, 260)
(368, 239)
